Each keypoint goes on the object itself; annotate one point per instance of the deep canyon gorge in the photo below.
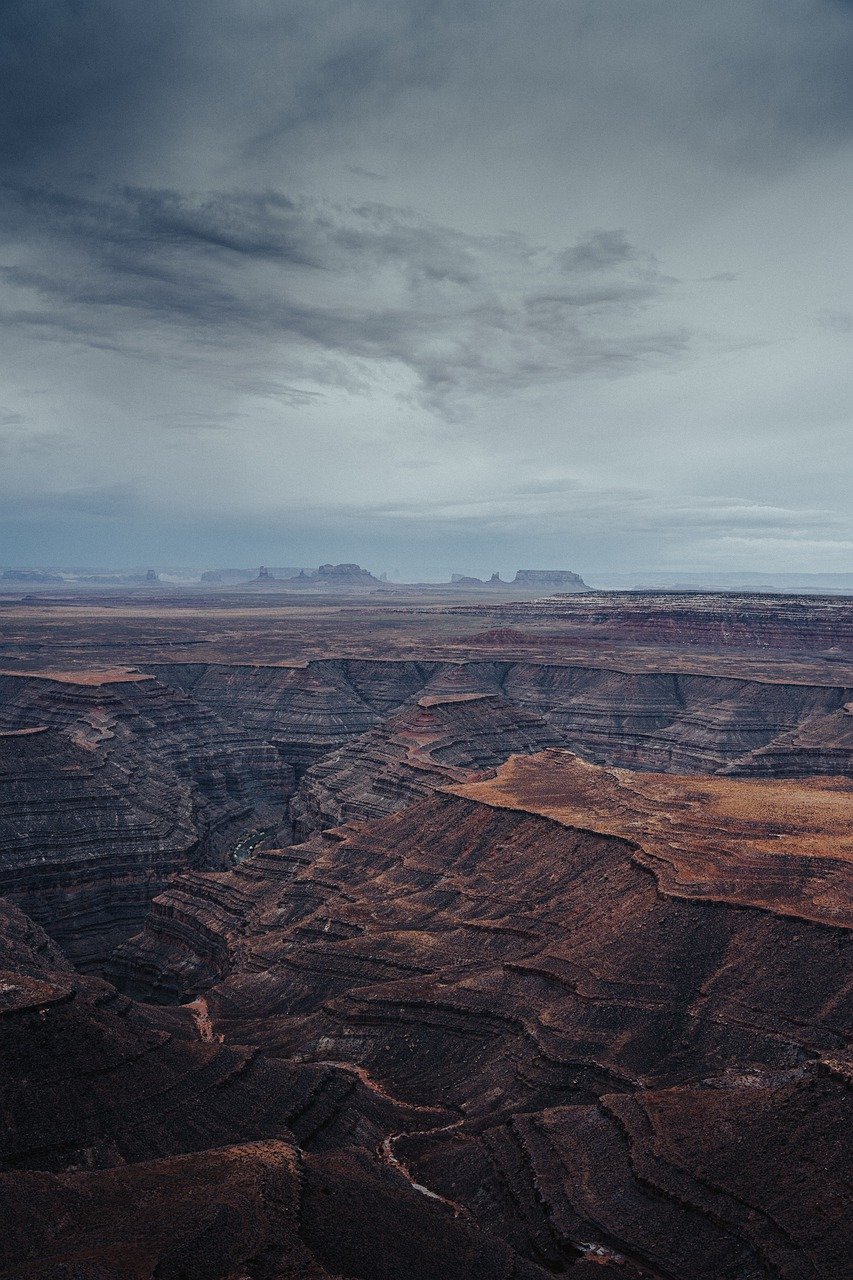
(418, 937)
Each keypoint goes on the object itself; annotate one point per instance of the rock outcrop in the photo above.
(345, 576)
(131, 778)
(710, 621)
(441, 738)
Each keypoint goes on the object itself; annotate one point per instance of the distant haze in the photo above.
(444, 286)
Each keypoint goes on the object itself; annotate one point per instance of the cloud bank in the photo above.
(434, 286)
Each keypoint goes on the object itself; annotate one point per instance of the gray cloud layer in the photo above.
(465, 315)
(502, 281)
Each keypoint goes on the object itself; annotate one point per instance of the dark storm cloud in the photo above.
(89, 85)
(464, 314)
(77, 73)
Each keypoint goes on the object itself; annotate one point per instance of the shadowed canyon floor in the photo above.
(426, 939)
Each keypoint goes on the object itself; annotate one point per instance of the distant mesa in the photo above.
(267, 579)
(346, 575)
(543, 581)
(351, 577)
(151, 576)
(550, 580)
(464, 580)
(329, 577)
(236, 577)
(335, 577)
(29, 576)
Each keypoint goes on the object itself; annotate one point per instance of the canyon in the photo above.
(409, 936)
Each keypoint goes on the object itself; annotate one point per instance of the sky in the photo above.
(432, 285)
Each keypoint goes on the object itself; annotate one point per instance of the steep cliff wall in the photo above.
(107, 788)
(638, 1023)
(641, 719)
(131, 778)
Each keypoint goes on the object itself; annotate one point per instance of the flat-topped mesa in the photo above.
(119, 675)
(345, 575)
(549, 580)
(328, 577)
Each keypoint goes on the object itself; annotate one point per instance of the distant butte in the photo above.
(547, 580)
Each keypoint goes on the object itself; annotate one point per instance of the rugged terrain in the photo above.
(434, 941)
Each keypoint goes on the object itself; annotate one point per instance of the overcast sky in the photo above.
(435, 285)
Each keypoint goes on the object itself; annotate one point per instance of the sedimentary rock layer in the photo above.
(131, 778)
(705, 620)
(441, 738)
(648, 720)
(786, 845)
(806, 639)
(625, 1050)
(107, 787)
(558, 1013)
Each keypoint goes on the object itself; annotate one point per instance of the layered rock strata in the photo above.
(705, 620)
(130, 778)
(638, 1023)
(439, 739)
(137, 1144)
(107, 787)
(567, 1013)
(651, 720)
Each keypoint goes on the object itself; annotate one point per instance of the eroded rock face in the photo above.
(600, 1033)
(714, 621)
(259, 1209)
(653, 720)
(556, 977)
(109, 786)
(113, 781)
(441, 738)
